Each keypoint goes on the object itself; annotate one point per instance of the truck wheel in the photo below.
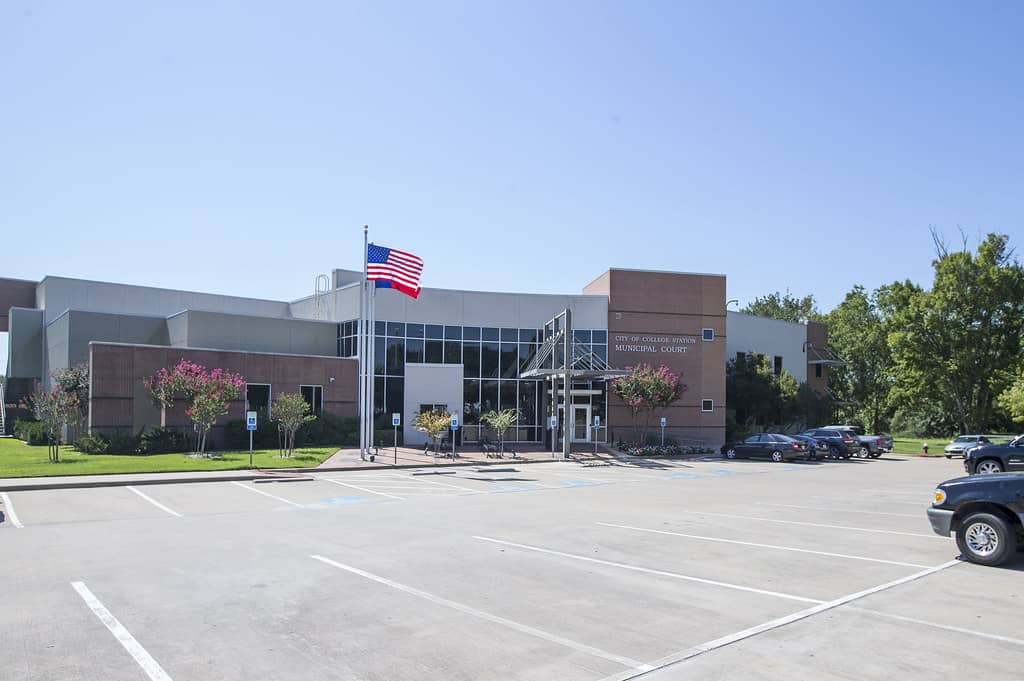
(863, 452)
(833, 452)
(988, 467)
(985, 539)
(777, 457)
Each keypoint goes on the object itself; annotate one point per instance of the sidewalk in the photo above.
(342, 460)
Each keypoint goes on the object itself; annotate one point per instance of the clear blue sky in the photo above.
(238, 147)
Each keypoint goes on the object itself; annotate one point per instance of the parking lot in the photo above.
(675, 570)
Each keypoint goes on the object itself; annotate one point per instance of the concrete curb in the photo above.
(262, 475)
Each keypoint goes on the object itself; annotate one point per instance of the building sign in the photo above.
(653, 344)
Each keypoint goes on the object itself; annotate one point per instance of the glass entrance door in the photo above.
(581, 423)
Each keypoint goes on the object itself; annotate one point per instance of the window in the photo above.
(257, 398)
(708, 334)
(707, 405)
(453, 333)
(778, 365)
(435, 352)
(314, 396)
(817, 371)
(741, 357)
(435, 331)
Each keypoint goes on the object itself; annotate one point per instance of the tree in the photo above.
(290, 411)
(1011, 400)
(434, 423)
(209, 394)
(500, 421)
(760, 396)
(57, 409)
(647, 389)
(784, 306)
(74, 380)
(858, 334)
(961, 340)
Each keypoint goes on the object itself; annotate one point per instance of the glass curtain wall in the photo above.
(492, 359)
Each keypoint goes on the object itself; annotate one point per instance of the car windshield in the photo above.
(964, 438)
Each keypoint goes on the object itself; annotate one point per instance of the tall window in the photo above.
(314, 396)
(257, 398)
(817, 371)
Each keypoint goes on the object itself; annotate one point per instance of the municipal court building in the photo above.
(466, 351)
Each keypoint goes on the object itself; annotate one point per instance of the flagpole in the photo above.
(371, 390)
(362, 348)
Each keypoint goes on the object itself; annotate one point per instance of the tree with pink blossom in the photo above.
(647, 389)
(208, 392)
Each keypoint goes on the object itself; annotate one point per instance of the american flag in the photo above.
(392, 268)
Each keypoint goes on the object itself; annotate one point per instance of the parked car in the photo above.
(815, 449)
(840, 444)
(989, 458)
(870, 445)
(959, 446)
(775, 446)
(985, 511)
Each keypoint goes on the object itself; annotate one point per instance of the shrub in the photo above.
(30, 431)
(236, 437)
(123, 443)
(164, 441)
(329, 429)
(92, 444)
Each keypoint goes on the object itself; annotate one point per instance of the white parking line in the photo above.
(361, 489)
(832, 527)
(266, 494)
(553, 638)
(9, 510)
(918, 504)
(437, 482)
(936, 625)
(152, 668)
(766, 546)
(155, 502)
(662, 573)
(723, 641)
(841, 510)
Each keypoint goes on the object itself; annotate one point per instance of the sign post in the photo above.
(396, 420)
(455, 427)
(554, 434)
(664, 421)
(597, 429)
(250, 425)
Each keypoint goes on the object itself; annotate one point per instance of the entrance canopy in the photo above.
(558, 343)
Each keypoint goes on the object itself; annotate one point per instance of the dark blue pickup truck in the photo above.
(985, 511)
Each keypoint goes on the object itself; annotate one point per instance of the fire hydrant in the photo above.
(924, 448)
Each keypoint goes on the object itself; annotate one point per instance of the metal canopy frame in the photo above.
(549, 362)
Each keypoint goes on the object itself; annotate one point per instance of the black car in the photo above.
(987, 459)
(985, 511)
(815, 449)
(775, 446)
(840, 444)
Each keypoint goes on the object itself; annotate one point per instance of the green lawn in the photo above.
(18, 460)
(912, 446)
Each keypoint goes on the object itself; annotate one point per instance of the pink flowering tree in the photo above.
(208, 392)
(648, 389)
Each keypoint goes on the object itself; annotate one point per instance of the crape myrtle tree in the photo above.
(434, 423)
(56, 409)
(209, 393)
(290, 411)
(500, 422)
(645, 390)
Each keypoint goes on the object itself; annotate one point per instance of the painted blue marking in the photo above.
(723, 472)
(580, 483)
(514, 488)
(685, 476)
(793, 468)
(341, 501)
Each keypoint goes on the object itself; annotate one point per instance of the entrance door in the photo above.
(581, 423)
